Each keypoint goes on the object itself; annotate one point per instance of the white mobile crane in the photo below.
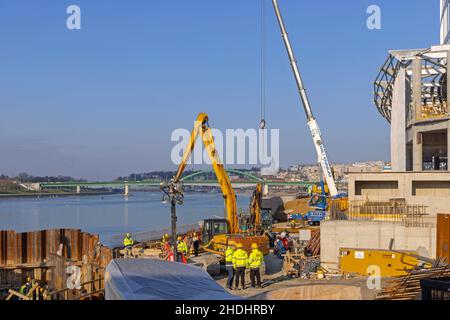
(312, 122)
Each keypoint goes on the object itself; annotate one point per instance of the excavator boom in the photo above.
(255, 206)
(215, 238)
(201, 127)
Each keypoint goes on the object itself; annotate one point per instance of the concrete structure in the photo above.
(411, 93)
(335, 235)
(431, 189)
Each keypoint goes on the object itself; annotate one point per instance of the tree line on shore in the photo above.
(27, 178)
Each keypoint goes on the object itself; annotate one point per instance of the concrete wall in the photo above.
(431, 189)
(372, 235)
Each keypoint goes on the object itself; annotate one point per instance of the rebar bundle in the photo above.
(408, 287)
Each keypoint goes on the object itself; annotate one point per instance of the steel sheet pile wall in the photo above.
(36, 254)
(34, 248)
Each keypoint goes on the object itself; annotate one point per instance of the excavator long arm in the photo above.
(201, 127)
(255, 206)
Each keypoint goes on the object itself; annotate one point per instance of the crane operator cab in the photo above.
(212, 228)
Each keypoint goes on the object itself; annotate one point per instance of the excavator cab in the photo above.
(213, 227)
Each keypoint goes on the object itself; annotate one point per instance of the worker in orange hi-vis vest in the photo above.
(170, 255)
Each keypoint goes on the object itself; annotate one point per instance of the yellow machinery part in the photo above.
(218, 245)
(389, 264)
(317, 189)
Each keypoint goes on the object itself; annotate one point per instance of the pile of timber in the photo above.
(408, 287)
(313, 244)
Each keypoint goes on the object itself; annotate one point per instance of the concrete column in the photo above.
(406, 188)
(448, 109)
(417, 88)
(398, 122)
(417, 151)
(448, 145)
(448, 80)
(78, 189)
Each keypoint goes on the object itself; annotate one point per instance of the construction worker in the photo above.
(128, 243)
(45, 293)
(229, 265)
(26, 287)
(170, 255)
(293, 223)
(165, 248)
(279, 249)
(240, 258)
(195, 243)
(255, 261)
(182, 250)
(310, 190)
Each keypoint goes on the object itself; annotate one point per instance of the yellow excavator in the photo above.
(217, 234)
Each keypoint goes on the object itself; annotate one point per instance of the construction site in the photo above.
(383, 236)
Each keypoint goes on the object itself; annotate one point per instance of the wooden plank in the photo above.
(443, 236)
(13, 292)
(9, 296)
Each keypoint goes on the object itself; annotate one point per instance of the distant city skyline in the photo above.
(101, 102)
(376, 164)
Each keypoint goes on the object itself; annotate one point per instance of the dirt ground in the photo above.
(298, 206)
(276, 286)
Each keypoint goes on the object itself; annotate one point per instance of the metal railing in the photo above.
(87, 290)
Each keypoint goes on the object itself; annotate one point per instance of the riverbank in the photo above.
(10, 196)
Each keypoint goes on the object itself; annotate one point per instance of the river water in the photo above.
(111, 214)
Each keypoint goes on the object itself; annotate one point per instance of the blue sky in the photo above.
(102, 101)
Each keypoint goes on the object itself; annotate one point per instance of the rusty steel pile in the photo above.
(47, 256)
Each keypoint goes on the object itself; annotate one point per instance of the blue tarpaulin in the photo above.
(148, 279)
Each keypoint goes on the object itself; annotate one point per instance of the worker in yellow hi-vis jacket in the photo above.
(255, 261)
(240, 258)
(229, 265)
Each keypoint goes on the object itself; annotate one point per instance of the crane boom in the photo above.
(201, 127)
(312, 122)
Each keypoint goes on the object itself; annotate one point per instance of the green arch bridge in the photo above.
(247, 179)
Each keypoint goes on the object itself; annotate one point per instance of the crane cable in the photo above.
(262, 123)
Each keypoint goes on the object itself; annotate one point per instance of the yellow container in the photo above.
(384, 263)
